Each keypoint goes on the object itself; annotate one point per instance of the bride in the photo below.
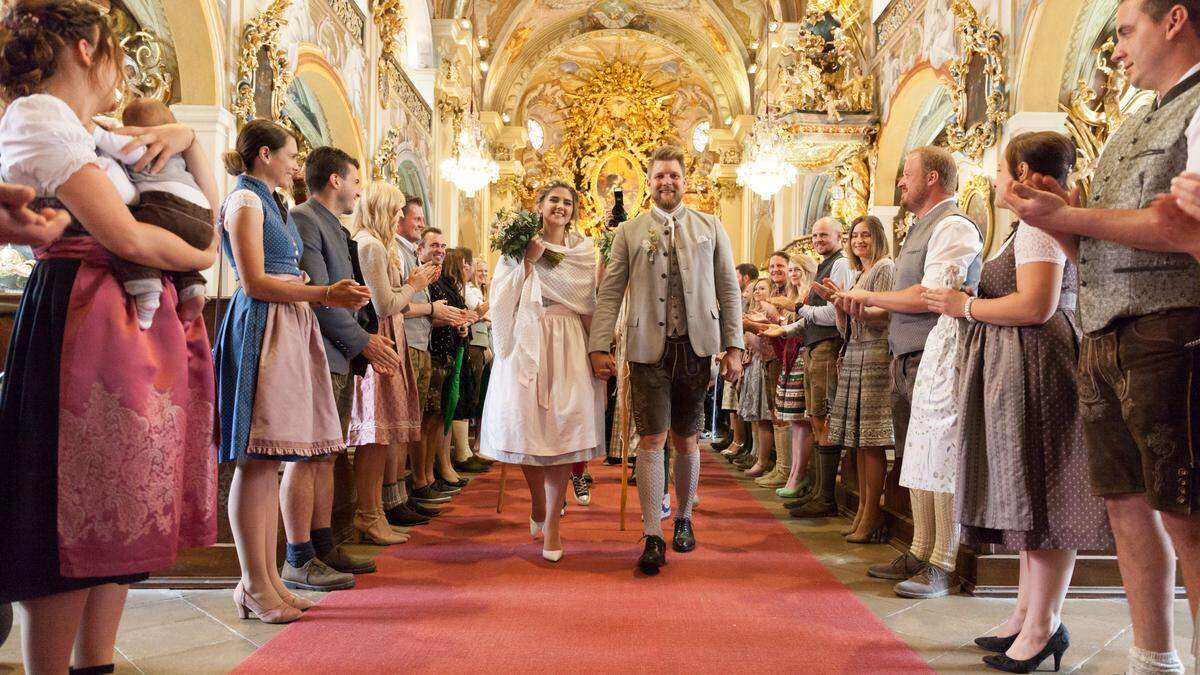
(544, 409)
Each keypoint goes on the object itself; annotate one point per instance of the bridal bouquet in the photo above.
(512, 232)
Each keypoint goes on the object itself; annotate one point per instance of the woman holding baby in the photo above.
(107, 467)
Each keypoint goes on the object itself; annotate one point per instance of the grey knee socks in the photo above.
(687, 476)
(651, 478)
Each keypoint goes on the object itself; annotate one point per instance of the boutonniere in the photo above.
(650, 244)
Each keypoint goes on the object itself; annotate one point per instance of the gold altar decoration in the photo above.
(618, 170)
(827, 72)
(976, 199)
(262, 55)
(803, 246)
(979, 91)
(1097, 108)
(616, 108)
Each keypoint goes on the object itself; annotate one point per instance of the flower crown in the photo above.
(19, 20)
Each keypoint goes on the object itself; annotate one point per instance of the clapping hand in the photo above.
(347, 293)
(1039, 200)
(773, 331)
(852, 301)
(424, 275)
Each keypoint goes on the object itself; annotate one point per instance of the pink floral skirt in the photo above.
(387, 408)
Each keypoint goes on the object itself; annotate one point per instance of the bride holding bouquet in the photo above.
(544, 410)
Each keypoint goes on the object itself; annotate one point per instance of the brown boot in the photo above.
(373, 528)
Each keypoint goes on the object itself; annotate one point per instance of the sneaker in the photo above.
(666, 506)
(931, 582)
(580, 486)
(588, 477)
(315, 575)
(903, 567)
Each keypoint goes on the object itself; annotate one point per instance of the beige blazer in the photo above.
(711, 294)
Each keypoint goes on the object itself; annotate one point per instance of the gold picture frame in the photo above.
(618, 168)
(979, 89)
(977, 200)
(264, 73)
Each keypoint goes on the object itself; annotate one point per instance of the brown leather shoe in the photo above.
(343, 561)
(903, 567)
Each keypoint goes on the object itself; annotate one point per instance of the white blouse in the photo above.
(1032, 245)
(43, 143)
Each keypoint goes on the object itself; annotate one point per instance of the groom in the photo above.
(684, 307)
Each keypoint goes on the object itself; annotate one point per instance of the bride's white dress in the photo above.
(543, 406)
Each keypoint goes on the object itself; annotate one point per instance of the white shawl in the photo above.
(518, 301)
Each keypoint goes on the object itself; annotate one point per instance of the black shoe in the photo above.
(470, 466)
(992, 643)
(654, 556)
(1056, 646)
(612, 461)
(684, 539)
(428, 495)
(92, 670)
(426, 510)
(402, 516)
(458, 484)
(445, 488)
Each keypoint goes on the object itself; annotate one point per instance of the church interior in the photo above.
(788, 111)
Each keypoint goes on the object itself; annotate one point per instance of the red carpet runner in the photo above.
(471, 593)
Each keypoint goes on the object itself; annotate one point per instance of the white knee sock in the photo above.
(923, 523)
(687, 476)
(946, 532)
(391, 495)
(650, 478)
(1145, 662)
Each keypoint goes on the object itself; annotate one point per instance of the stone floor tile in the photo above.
(210, 659)
(181, 636)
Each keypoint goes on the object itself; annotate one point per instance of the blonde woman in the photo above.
(386, 412)
(789, 394)
(757, 386)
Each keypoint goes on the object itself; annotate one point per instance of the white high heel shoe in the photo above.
(535, 528)
(552, 556)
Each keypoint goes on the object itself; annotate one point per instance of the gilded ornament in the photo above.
(261, 38)
(395, 87)
(389, 21)
(979, 91)
(351, 17)
(828, 69)
(1094, 114)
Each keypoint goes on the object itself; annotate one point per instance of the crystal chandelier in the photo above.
(765, 169)
(470, 169)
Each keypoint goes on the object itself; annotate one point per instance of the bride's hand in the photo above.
(534, 250)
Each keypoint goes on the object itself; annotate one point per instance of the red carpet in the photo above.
(471, 593)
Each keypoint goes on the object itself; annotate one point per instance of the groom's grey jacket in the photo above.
(711, 294)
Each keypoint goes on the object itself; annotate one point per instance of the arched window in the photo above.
(537, 135)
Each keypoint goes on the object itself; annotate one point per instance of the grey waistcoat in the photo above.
(416, 328)
(907, 332)
(1146, 152)
(814, 333)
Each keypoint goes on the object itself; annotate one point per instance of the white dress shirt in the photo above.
(955, 241)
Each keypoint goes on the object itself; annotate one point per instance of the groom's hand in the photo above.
(603, 365)
(731, 365)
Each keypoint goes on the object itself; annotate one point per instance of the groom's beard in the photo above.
(661, 202)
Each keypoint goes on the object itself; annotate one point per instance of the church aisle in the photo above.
(470, 593)
(197, 632)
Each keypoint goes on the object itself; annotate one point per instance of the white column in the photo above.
(887, 216)
(216, 130)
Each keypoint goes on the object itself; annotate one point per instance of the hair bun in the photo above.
(234, 165)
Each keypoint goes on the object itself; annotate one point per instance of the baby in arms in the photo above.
(170, 199)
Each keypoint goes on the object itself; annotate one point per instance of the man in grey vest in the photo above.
(419, 319)
(683, 307)
(822, 346)
(940, 237)
(330, 255)
(1139, 304)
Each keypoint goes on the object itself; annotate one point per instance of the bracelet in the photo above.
(325, 302)
(967, 309)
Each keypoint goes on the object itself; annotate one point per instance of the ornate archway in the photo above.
(330, 91)
(911, 98)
